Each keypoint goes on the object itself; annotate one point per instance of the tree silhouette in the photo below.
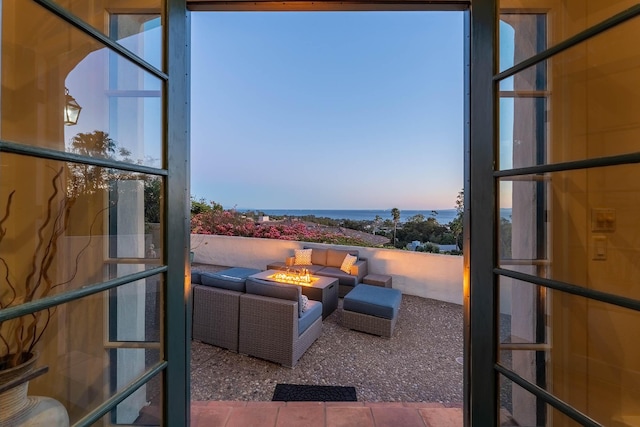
(456, 224)
(395, 213)
(376, 223)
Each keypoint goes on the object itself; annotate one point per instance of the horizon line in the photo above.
(344, 209)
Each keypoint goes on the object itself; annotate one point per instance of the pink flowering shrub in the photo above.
(231, 223)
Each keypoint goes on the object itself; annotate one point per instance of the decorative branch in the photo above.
(3, 232)
(20, 335)
(52, 311)
(40, 234)
(7, 212)
(84, 248)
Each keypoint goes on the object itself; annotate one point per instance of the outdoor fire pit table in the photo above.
(321, 288)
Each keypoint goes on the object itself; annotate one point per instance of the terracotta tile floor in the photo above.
(323, 414)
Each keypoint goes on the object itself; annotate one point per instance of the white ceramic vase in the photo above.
(19, 409)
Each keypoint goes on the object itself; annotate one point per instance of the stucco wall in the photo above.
(414, 273)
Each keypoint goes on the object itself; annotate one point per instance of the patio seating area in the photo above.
(415, 376)
(417, 364)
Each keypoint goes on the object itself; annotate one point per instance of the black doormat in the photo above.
(313, 393)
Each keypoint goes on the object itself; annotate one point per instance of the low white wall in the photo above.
(414, 273)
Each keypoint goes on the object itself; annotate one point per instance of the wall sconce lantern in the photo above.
(71, 109)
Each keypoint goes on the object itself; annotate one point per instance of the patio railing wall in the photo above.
(422, 274)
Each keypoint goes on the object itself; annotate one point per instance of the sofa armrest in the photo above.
(360, 269)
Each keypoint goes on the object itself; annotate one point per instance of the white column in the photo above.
(130, 297)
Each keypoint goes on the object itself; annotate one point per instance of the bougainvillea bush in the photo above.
(232, 223)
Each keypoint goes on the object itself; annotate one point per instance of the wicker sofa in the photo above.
(327, 262)
(257, 317)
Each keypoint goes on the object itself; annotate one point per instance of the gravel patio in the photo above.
(420, 363)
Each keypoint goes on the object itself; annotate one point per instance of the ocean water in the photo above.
(444, 216)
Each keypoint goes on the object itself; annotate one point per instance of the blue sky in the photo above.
(327, 110)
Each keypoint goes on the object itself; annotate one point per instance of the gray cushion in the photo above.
(271, 289)
(313, 312)
(336, 273)
(374, 301)
(232, 279)
(318, 256)
(195, 277)
(335, 257)
(241, 272)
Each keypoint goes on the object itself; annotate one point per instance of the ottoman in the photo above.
(371, 309)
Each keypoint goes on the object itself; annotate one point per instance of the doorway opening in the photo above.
(350, 112)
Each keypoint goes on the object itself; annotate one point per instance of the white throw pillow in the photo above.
(348, 262)
(304, 301)
(303, 257)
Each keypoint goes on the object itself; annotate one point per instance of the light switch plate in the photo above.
(603, 219)
(599, 248)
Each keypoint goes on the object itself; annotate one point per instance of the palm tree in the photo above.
(395, 213)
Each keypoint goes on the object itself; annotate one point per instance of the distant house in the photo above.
(414, 245)
(448, 248)
(443, 248)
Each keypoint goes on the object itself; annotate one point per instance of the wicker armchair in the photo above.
(216, 305)
(215, 316)
(269, 329)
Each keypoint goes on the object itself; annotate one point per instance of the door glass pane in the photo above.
(141, 33)
(522, 232)
(69, 225)
(518, 407)
(579, 227)
(120, 114)
(82, 370)
(523, 97)
(590, 110)
(128, 307)
(591, 361)
(568, 18)
(522, 35)
(514, 401)
(135, 24)
(144, 406)
(150, 415)
(523, 131)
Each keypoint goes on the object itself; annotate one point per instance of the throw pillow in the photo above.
(304, 301)
(303, 257)
(348, 262)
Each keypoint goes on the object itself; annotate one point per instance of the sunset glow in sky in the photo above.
(328, 110)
